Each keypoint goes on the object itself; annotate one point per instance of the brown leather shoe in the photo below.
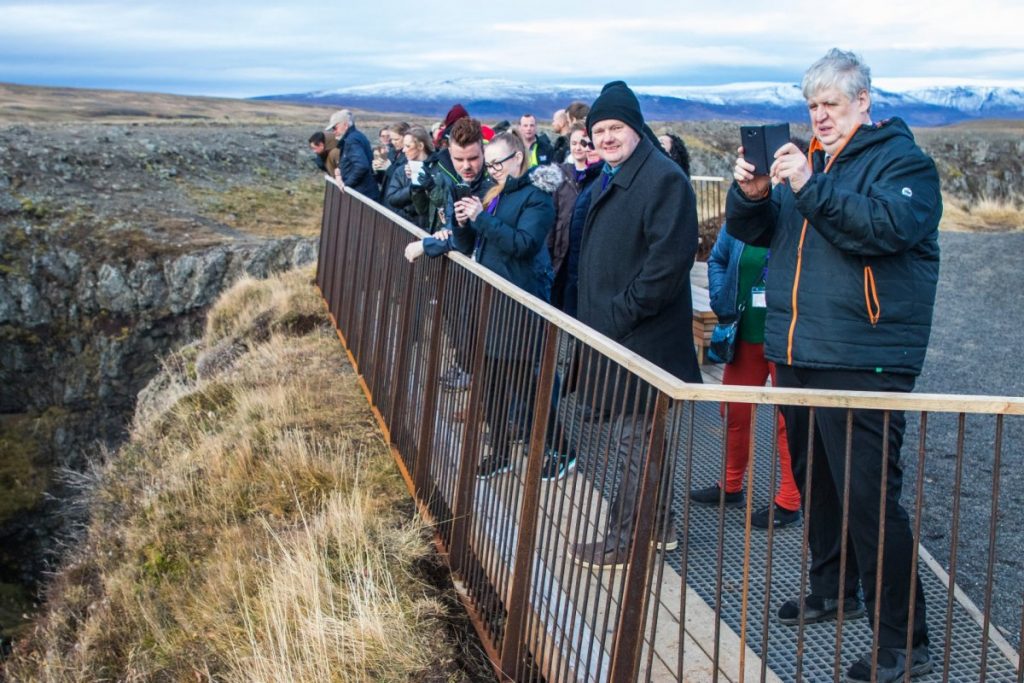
(599, 556)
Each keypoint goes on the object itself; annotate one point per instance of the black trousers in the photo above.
(824, 512)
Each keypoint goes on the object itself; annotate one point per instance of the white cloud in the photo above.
(306, 45)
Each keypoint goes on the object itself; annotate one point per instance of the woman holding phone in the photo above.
(416, 146)
(506, 231)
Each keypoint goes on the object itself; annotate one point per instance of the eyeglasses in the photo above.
(584, 142)
(496, 166)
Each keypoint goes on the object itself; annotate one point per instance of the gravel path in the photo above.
(978, 318)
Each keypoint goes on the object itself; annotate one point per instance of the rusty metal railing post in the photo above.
(629, 630)
(530, 508)
(402, 370)
(344, 222)
(324, 227)
(381, 317)
(471, 442)
(328, 257)
(429, 420)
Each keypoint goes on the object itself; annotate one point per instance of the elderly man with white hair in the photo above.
(355, 165)
(853, 233)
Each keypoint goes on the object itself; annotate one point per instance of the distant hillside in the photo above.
(493, 98)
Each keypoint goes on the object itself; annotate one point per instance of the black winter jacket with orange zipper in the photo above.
(854, 255)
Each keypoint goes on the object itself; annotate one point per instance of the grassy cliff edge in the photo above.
(253, 527)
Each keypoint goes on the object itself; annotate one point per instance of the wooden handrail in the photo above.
(678, 390)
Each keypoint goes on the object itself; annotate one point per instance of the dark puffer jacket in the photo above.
(512, 241)
(854, 287)
(398, 194)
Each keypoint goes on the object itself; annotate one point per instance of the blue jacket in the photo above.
(355, 164)
(724, 275)
(853, 288)
(512, 243)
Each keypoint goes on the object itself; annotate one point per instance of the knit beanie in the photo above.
(617, 101)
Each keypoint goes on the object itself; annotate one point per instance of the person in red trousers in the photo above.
(736, 280)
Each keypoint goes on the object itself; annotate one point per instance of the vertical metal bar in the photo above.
(844, 544)
(550, 540)
(361, 292)
(463, 507)
(527, 532)
(626, 655)
(354, 247)
(340, 258)
(671, 452)
(769, 552)
(614, 611)
(587, 395)
(1020, 648)
(599, 402)
(953, 543)
(385, 282)
(720, 555)
(331, 265)
(402, 370)
(808, 493)
(877, 616)
(684, 554)
(324, 227)
(745, 592)
(429, 420)
(992, 531)
(918, 505)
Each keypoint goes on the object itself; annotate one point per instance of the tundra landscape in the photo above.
(124, 218)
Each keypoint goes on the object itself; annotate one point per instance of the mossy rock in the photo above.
(23, 478)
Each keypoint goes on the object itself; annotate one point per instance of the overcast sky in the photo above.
(257, 48)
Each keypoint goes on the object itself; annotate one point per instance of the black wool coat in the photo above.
(639, 243)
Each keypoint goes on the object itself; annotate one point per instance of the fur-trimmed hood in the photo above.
(547, 178)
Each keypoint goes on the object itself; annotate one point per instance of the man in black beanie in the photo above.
(639, 242)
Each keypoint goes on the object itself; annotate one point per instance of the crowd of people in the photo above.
(829, 263)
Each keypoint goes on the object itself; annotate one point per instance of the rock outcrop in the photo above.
(115, 240)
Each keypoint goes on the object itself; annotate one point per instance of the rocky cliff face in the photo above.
(115, 240)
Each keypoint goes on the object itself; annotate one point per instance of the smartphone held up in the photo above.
(760, 144)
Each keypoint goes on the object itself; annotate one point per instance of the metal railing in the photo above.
(465, 371)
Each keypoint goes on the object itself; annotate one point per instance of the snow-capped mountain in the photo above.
(497, 98)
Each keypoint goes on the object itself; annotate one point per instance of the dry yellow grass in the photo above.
(984, 214)
(249, 530)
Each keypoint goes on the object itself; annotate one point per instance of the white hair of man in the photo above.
(840, 69)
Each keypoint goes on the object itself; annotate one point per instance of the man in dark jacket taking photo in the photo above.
(853, 232)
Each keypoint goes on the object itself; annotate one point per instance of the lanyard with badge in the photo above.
(757, 292)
